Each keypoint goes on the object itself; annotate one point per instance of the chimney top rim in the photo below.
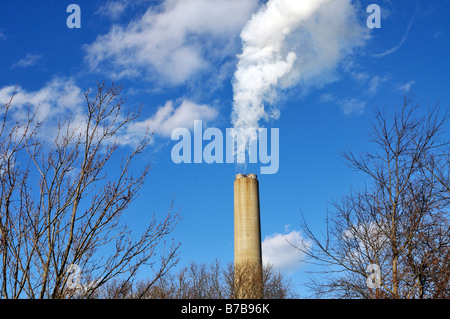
(240, 175)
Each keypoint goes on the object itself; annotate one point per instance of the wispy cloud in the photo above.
(327, 98)
(280, 250)
(376, 82)
(438, 34)
(403, 40)
(405, 88)
(349, 106)
(167, 118)
(352, 106)
(358, 73)
(29, 60)
(58, 97)
(113, 9)
(62, 98)
(172, 41)
(54, 103)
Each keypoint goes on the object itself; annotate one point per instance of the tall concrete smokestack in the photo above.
(247, 237)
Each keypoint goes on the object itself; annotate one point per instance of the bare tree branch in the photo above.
(74, 214)
(399, 221)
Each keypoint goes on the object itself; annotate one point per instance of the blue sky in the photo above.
(178, 59)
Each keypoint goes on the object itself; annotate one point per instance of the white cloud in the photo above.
(172, 41)
(58, 97)
(327, 98)
(61, 98)
(167, 118)
(352, 106)
(349, 106)
(53, 103)
(280, 250)
(376, 82)
(113, 9)
(28, 60)
(405, 88)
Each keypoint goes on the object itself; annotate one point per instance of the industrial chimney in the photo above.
(247, 237)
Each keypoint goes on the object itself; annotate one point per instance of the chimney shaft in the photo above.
(247, 235)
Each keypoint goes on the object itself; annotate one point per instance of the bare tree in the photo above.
(248, 280)
(62, 206)
(204, 281)
(397, 226)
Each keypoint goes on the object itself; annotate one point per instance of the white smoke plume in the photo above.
(290, 42)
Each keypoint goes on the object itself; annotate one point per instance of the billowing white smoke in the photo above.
(289, 42)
